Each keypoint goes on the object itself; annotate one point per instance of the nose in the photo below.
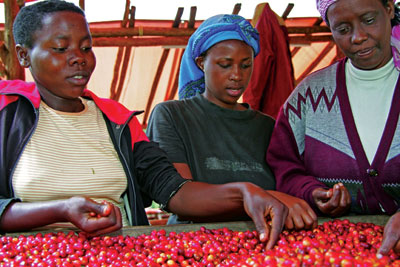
(77, 58)
(359, 35)
(236, 73)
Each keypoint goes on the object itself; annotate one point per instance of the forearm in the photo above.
(207, 202)
(20, 216)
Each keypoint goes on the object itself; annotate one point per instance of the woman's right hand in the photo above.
(301, 215)
(92, 217)
(332, 202)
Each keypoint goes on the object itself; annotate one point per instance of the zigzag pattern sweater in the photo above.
(315, 144)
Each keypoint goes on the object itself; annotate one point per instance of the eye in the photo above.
(245, 65)
(87, 49)
(369, 21)
(342, 29)
(59, 49)
(224, 65)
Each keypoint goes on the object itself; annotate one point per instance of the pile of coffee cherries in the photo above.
(333, 243)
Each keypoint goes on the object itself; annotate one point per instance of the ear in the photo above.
(23, 56)
(200, 62)
(390, 9)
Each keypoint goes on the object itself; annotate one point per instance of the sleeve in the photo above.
(284, 158)
(162, 129)
(155, 173)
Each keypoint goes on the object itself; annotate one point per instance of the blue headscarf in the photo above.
(213, 30)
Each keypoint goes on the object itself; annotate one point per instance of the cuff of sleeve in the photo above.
(163, 206)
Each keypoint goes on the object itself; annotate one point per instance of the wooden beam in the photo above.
(154, 41)
(192, 17)
(178, 18)
(132, 13)
(287, 11)
(309, 39)
(82, 4)
(236, 8)
(153, 90)
(294, 51)
(316, 61)
(125, 20)
(308, 29)
(171, 94)
(163, 31)
(140, 31)
(11, 63)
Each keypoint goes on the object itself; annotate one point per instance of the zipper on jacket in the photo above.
(25, 142)
(133, 216)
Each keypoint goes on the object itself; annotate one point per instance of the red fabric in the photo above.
(118, 114)
(114, 111)
(27, 89)
(273, 79)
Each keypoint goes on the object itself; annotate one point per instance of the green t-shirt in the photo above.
(220, 145)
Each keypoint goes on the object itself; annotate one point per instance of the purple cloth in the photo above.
(322, 6)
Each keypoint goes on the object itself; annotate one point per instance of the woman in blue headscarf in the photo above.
(208, 135)
(213, 30)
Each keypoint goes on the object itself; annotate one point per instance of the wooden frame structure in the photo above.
(130, 32)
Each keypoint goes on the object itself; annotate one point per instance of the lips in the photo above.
(234, 91)
(79, 78)
(365, 52)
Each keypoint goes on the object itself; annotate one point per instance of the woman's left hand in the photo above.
(391, 235)
(301, 215)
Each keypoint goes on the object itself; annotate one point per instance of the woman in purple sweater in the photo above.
(336, 141)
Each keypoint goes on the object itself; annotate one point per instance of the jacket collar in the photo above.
(115, 111)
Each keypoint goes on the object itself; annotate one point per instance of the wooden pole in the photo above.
(9, 56)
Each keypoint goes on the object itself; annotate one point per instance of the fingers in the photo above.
(289, 222)
(321, 194)
(278, 215)
(310, 218)
(113, 227)
(262, 227)
(301, 216)
(391, 235)
(339, 202)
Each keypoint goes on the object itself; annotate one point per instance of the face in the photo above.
(227, 67)
(362, 30)
(61, 60)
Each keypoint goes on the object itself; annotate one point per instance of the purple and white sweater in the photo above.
(315, 144)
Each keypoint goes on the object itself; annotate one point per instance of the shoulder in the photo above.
(265, 117)
(173, 106)
(320, 80)
(12, 90)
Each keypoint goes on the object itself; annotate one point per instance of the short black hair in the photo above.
(30, 18)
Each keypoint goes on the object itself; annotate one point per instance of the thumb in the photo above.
(102, 209)
(106, 208)
(388, 243)
(322, 194)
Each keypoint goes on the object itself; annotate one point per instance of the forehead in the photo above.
(230, 46)
(62, 22)
(343, 9)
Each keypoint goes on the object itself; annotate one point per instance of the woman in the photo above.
(340, 127)
(64, 150)
(210, 137)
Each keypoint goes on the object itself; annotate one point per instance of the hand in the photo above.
(391, 236)
(83, 213)
(259, 204)
(333, 202)
(301, 215)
